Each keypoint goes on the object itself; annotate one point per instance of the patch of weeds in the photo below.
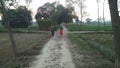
(76, 27)
(91, 58)
(108, 53)
(103, 39)
(16, 65)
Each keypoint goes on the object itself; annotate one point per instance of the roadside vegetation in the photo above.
(92, 57)
(105, 51)
(28, 45)
(103, 39)
(94, 44)
(76, 27)
(33, 27)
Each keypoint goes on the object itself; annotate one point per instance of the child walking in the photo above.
(52, 31)
(61, 31)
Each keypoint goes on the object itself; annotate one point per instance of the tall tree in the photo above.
(116, 29)
(5, 5)
(82, 7)
(104, 13)
(88, 20)
(19, 18)
(70, 8)
(98, 13)
(56, 12)
(7, 21)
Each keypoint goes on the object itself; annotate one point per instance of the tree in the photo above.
(71, 10)
(43, 12)
(64, 14)
(55, 11)
(88, 20)
(43, 16)
(24, 16)
(7, 21)
(98, 13)
(69, 3)
(5, 5)
(116, 29)
(11, 4)
(82, 6)
(20, 17)
(104, 14)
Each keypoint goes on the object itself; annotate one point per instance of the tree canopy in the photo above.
(20, 17)
(54, 11)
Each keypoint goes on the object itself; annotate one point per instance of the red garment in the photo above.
(61, 32)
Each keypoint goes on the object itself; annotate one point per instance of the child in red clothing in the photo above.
(61, 31)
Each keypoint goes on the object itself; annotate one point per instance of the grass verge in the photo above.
(72, 27)
(91, 58)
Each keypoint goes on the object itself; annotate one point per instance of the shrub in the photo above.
(45, 24)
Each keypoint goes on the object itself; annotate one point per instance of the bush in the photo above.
(45, 24)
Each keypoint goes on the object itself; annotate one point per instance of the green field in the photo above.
(27, 44)
(74, 27)
(33, 27)
(91, 54)
(102, 39)
(103, 43)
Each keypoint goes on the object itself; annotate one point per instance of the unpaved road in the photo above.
(59, 52)
(55, 54)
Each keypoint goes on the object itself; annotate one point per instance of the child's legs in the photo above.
(52, 33)
(61, 33)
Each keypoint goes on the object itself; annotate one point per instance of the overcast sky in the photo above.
(91, 7)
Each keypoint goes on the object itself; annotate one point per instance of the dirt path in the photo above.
(55, 54)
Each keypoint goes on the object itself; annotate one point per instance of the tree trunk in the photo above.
(98, 15)
(116, 29)
(81, 12)
(104, 15)
(6, 17)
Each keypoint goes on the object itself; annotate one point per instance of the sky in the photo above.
(91, 7)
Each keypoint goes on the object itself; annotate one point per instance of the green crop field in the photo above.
(103, 39)
(92, 54)
(72, 27)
